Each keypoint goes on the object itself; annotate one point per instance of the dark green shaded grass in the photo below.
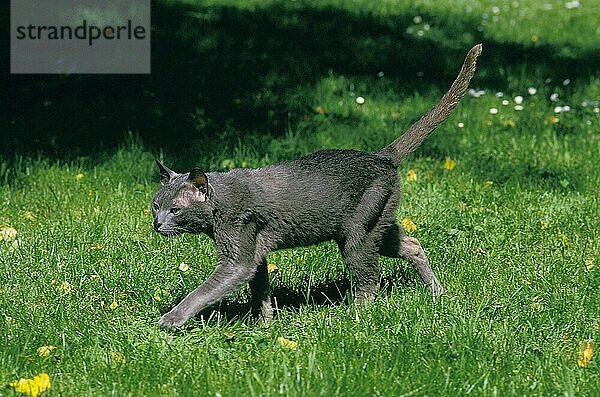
(222, 69)
(528, 22)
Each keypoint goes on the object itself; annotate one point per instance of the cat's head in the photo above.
(181, 204)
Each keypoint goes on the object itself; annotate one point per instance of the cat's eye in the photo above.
(175, 210)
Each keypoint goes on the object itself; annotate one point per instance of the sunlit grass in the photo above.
(510, 228)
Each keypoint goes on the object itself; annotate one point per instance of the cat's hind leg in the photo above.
(396, 244)
(362, 264)
(261, 294)
(360, 249)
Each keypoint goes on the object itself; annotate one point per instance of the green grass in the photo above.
(511, 231)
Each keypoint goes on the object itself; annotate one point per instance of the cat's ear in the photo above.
(165, 173)
(199, 181)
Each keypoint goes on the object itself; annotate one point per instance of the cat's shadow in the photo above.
(329, 294)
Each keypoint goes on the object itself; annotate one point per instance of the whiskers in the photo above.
(172, 230)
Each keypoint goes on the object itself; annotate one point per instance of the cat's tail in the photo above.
(420, 130)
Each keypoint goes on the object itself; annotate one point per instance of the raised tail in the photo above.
(420, 130)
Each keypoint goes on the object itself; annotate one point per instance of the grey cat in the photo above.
(346, 196)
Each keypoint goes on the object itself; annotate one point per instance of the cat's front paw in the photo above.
(172, 320)
(436, 289)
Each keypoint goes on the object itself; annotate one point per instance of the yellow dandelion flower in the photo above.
(554, 119)
(449, 164)
(28, 215)
(480, 251)
(65, 287)
(411, 175)
(46, 351)
(320, 110)
(32, 387)
(510, 123)
(272, 268)
(408, 225)
(159, 294)
(79, 176)
(7, 233)
(537, 304)
(117, 357)
(488, 183)
(287, 343)
(229, 335)
(586, 353)
(112, 306)
(96, 246)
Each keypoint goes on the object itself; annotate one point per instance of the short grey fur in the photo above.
(346, 196)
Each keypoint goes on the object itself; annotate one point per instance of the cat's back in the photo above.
(329, 173)
(327, 168)
(336, 162)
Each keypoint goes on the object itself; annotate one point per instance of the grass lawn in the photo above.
(505, 204)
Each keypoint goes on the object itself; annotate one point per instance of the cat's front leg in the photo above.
(237, 265)
(173, 319)
(227, 278)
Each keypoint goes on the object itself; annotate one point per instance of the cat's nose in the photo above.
(157, 224)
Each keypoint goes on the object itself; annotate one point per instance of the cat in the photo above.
(347, 196)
